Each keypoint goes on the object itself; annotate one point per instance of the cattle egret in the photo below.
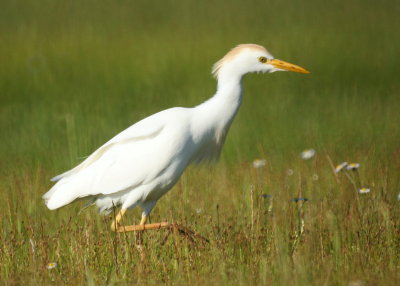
(140, 164)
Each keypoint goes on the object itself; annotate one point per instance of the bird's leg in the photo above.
(144, 219)
(147, 207)
(115, 224)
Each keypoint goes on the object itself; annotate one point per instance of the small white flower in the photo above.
(352, 166)
(258, 163)
(315, 177)
(398, 197)
(340, 167)
(51, 265)
(307, 154)
(364, 190)
(199, 210)
(290, 172)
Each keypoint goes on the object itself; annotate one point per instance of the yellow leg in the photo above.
(115, 223)
(144, 219)
(116, 226)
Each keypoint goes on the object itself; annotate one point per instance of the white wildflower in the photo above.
(364, 190)
(340, 167)
(258, 163)
(307, 154)
(352, 166)
(51, 265)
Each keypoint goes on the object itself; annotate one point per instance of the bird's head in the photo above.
(248, 58)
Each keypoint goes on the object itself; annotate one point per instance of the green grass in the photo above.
(75, 73)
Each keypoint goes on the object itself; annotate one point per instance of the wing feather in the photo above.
(114, 167)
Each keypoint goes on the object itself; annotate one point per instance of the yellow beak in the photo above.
(287, 66)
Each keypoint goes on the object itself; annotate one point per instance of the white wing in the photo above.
(126, 161)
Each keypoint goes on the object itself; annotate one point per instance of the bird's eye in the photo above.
(262, 60)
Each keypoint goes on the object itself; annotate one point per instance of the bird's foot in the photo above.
(139, 227)
(173, 228)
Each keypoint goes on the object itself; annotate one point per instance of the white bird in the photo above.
(140, 164)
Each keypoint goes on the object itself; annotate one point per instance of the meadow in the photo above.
(75, 73)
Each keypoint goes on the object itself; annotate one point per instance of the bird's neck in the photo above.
(220, 110)
(228, 95)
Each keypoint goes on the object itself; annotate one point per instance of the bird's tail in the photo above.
(59, 195)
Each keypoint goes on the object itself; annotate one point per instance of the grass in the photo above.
(73, 74)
